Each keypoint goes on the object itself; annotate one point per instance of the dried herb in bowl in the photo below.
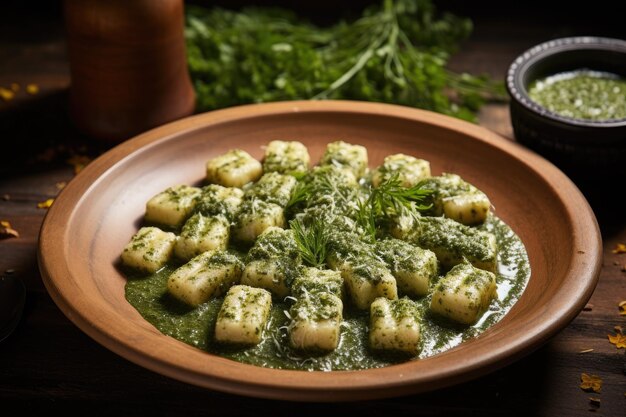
(396, 53)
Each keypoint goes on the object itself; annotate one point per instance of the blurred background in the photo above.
(35, 127)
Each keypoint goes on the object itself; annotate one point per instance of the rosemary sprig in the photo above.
(365, 218)
(300, 194)
(311, 241)
(391, 198)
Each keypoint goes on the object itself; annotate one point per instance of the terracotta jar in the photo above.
(128, 65)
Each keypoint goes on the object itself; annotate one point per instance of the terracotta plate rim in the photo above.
(234, 377)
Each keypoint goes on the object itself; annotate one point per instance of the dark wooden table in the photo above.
(49, 365)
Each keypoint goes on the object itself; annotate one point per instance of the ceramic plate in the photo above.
(97, 213)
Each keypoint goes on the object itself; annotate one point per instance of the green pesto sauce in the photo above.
(582, 94)
(195, 326)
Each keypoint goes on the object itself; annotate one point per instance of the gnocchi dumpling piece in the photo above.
(458, 200)
(413, 267)
(286, 157)
(172, 206)
(451, 241)
(235, 168)
(395, 325)
(316, 322)
(366, 280)
(205, 276)
(243, 315)
(271, 274)
(216, 200)
(273, 188)
(410, 170)
(201, 234)
(314, 280)
(347, 156)
(149, 249)
(469, 208)
(274, 242)
(365, 277)
(255, 217)
(464, 294)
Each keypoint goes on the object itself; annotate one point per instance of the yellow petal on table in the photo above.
(32, 89)
(590, 382)
(45, 204)
(79, 162)
(622, 307)
(6, 231)
(620, 248)
(6, 94)
(619, 340)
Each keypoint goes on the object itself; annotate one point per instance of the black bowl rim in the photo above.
(550, 48)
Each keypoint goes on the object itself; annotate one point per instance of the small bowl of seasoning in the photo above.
(568, 103)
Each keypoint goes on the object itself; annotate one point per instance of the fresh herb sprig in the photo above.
(396, 53)
(391, 198)
(312, 241)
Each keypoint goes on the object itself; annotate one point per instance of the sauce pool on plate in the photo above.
(330, 268)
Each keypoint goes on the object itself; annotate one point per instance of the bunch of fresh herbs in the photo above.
(395, 53)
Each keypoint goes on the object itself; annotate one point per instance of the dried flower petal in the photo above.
(619, 340)
(32, 89)
(60, 185)
(618, 329)
(622, 308)
(6, 231)
(79, 162)
(620, 248)
(6, 94)
(45, 204)
(594, 402)
(590, 382)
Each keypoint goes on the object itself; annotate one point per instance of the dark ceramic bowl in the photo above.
(581, 148)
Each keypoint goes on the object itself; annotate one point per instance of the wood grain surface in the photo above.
(50, 365)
